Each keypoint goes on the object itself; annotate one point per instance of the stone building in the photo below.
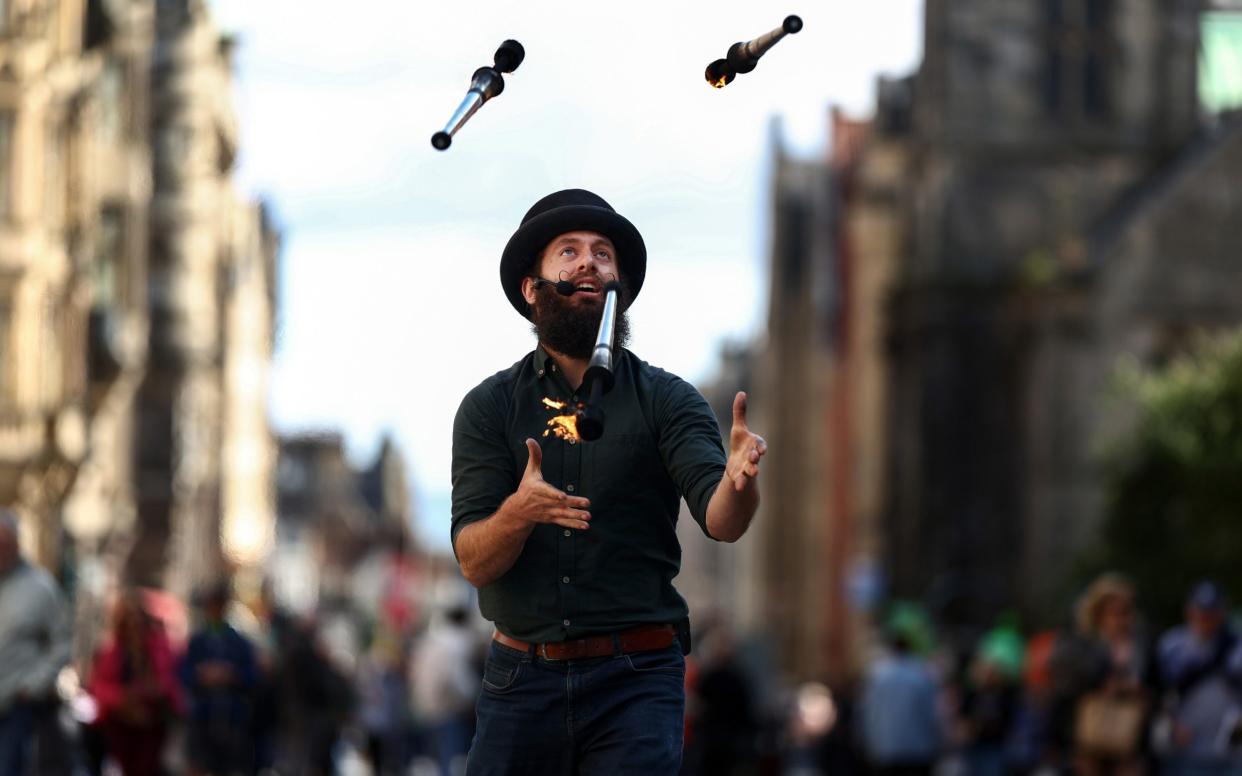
(137, 298)
(714, 575)
(74, 191)
(332, 516)
(819, 399)
(206, 464)
(1066, 203)
(950, 292)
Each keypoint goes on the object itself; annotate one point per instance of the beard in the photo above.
(569, 329)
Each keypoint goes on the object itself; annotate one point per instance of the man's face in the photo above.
(568, 324)
(587, 259)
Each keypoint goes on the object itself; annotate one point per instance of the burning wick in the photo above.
(563, 426)
(719, 74)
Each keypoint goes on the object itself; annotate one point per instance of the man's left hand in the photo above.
(745, 448)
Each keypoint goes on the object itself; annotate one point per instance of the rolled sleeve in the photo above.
(483, 469)
(690, 444)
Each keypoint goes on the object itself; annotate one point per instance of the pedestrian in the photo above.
(573, 546)
(35, 644)
(1201, 667)
(903, 729)
(133, 681)
(445, 684)
(724, 722)
(1104, 675)
(219, 674)
(274, 629)
(990, 704)
(383, 704)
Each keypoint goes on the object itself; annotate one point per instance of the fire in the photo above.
(719, 74)
(564, 426)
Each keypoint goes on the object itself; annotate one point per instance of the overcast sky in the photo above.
(391, 308)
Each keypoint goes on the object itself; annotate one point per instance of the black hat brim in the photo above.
(528, 242)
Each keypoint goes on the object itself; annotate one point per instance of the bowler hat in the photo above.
(570, 210)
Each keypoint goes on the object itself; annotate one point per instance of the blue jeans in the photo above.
(605, 716)
(16, 732)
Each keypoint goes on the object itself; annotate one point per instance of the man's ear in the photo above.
(528, 289)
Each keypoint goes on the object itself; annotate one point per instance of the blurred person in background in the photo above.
(902, 726)
(812, 748)
(1104, 681)
(133, 681)
(1201, 668)
(1029, 747)
(274, 627)
(315, 699)
(990, 702)
(723, 721)
(383, 705)
(219, 674)
(35, 644)
(445, 683)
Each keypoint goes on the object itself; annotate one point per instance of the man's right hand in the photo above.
(487, 549)
(538, 502)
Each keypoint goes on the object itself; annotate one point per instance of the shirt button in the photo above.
(565, 580)
(565, 623)
(573, 441)
(541, 373)
(567, 532)
(575, 397)
(570, 487)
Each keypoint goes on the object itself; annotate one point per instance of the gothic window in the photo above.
(7, 354)
(51, 333)
(793, 255)
(55, 191)
(112, 101)
(1079, 52)
(6, 162)
(109, 257)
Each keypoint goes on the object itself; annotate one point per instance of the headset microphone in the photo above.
(563, 287)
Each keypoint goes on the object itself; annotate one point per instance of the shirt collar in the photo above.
(543, 361)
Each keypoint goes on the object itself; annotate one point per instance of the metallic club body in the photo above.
(743, 57)
(598, 378)
(486, 83)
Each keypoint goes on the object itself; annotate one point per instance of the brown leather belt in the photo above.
(641, 639)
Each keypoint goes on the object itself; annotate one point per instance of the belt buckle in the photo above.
(542, 651)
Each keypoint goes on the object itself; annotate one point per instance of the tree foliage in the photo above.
(1173, 509)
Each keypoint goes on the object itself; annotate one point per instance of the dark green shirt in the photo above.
(661, 443)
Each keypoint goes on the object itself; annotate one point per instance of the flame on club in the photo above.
(564, 426)
(719, 74)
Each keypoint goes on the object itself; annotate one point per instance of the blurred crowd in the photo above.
(1103, 696)
(253, 688)
(250, 688)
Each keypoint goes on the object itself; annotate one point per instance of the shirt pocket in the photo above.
(626, 466)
